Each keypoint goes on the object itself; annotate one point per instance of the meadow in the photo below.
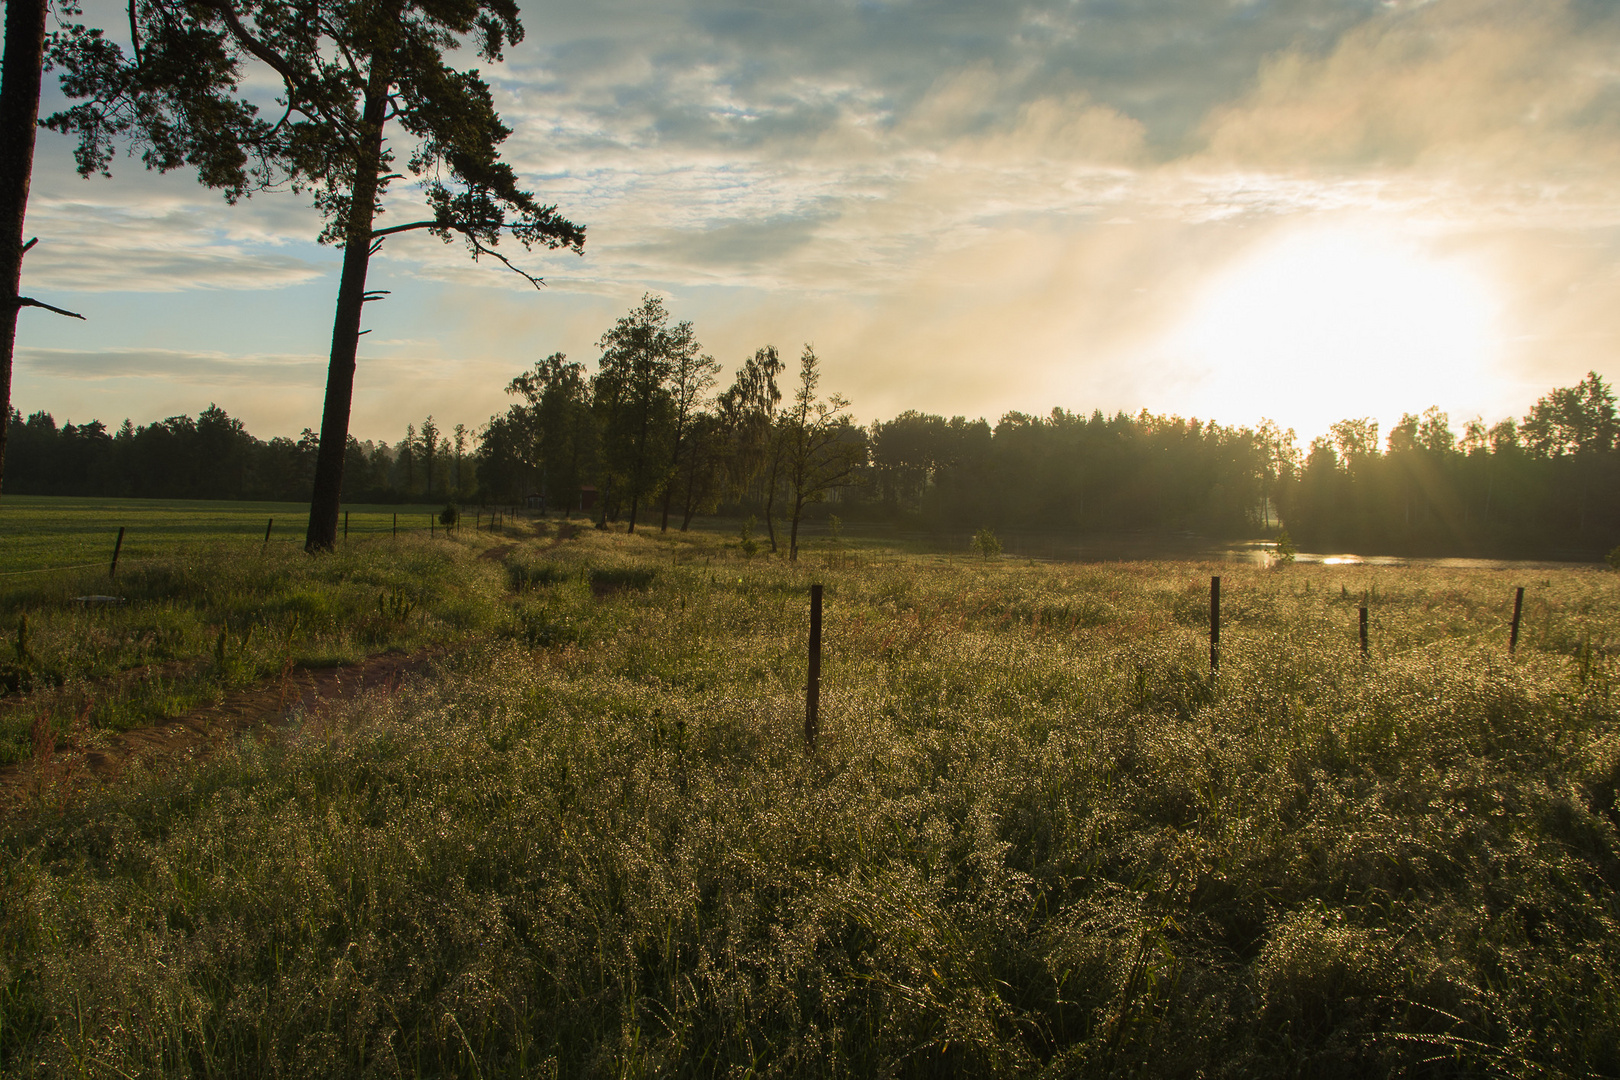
(41, 533)
(1036, 836)
(203, 604)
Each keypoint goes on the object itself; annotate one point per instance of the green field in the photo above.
(206, 606)
(40, 533)
(1037, 836)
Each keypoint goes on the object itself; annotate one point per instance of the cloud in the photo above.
(1469, 87)
(162, 234)
(968, 206)
(172, 365)
(272, 394)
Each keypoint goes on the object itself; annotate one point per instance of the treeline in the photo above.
(1547, 484)
(1073, 472)
(214, 457)
(650, 438)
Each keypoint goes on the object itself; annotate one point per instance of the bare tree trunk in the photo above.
(328, 495)
(19, 113)
(793, 536)
(690, 503)
(770, 491)
(638, 475)
(674, 476)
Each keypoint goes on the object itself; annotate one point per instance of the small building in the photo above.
(587, 498)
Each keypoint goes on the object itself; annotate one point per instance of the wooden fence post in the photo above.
(812, 686)
(396, 524)
(1214, 624)
(345, 524)
(267, 527)
(1365, 652)
(1518, 608)
(118, 546)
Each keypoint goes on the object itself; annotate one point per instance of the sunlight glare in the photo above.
(1328, 323)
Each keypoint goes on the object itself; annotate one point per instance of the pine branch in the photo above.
(479, 248)
(29, 301)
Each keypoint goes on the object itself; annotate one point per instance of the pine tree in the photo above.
(352, 73)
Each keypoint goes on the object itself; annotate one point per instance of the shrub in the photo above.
(1284, 555)
(986, 544)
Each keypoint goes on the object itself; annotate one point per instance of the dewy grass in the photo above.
(1036, 836)
(188, 627)
(39, 533)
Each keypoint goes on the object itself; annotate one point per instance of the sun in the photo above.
(1324, 323)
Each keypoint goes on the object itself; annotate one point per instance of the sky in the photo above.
(1303, 210)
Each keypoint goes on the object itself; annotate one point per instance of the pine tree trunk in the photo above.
(328, 495)
(19, 111)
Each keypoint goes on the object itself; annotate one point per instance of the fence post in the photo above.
(431, 526)
(396, 524)
(267, 527)
(1214, 624)
(1518, 608)
(118, 546)
(1365, 652)
(345, 524)
(812, 686)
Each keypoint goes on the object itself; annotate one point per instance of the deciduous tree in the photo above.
(554, 426)
(747, 411)
(691, 377)
(821, 447)
(634, 399)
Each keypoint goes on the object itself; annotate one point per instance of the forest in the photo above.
(650, 436)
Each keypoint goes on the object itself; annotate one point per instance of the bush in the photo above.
(1284, 555)
(986, 544)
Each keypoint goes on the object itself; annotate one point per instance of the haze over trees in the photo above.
(647, 429)
(350, 74)
(649, 425)
(1548, 483)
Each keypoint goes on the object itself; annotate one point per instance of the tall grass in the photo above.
(1036, 837)
(187, 628)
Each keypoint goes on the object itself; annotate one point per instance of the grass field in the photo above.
(1036, 837)
(46, 532)
(206, 605)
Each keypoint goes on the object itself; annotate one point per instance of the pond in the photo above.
(1053, 547)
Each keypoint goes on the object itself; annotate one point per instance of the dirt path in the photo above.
(102, 756)
(86, 758)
